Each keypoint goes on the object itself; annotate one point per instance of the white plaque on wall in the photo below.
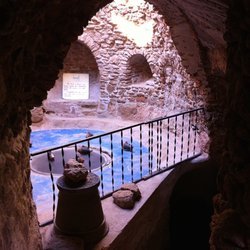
(75, 86)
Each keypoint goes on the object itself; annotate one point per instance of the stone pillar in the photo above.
(79, 210)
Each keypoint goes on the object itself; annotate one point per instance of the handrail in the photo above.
(154, 147)
(115, 131)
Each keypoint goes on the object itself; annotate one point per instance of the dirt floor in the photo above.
(56, 122)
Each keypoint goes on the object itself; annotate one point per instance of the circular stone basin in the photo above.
(40, 163)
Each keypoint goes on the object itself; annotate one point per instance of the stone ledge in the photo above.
(143, 227)
(119, 218)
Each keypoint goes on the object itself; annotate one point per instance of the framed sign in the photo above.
(75, 86)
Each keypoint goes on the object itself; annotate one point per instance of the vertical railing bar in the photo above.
(131, 155)
(182, 136)
(149, 147)
(63, 160)
(160, 143)
(195, 132)
(189, 135)
(152, 146)
(89, 152)
(76, 155)
(101, 167)
(53, 185)
(157, 145)
(112, 162)
(122, 154)
(175, 135)
(141, 151)
(167, 156)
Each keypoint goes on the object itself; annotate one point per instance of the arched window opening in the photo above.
(139, 69)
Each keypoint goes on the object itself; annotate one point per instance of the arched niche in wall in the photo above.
(79, 61)
(139, 70)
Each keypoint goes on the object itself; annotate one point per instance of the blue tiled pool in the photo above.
(45, 139)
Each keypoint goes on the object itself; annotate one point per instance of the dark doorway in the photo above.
(191, 208)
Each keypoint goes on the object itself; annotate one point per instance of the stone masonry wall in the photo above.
(169, 89)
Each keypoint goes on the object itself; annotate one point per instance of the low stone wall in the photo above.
(147, 226)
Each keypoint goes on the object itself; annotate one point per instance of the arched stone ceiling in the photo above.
(206, 16)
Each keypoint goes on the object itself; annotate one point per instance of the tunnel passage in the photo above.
(191, 208)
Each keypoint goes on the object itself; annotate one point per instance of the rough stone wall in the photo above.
(18, 224)
(231, 221)
(171, 87)
(197, 28)
(113, 52)
(34, 39)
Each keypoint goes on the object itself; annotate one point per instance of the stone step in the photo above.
(71, 108)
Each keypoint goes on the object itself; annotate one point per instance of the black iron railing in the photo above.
(129, 154)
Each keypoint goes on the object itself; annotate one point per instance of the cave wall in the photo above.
(18, 224)
(34, 39)
(231, 221)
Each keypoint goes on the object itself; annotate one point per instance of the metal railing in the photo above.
(132, 153)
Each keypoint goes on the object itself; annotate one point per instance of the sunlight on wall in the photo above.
(130, 2)
(141, 34)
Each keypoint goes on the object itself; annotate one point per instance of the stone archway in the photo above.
(79, 60)
(33, 47)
